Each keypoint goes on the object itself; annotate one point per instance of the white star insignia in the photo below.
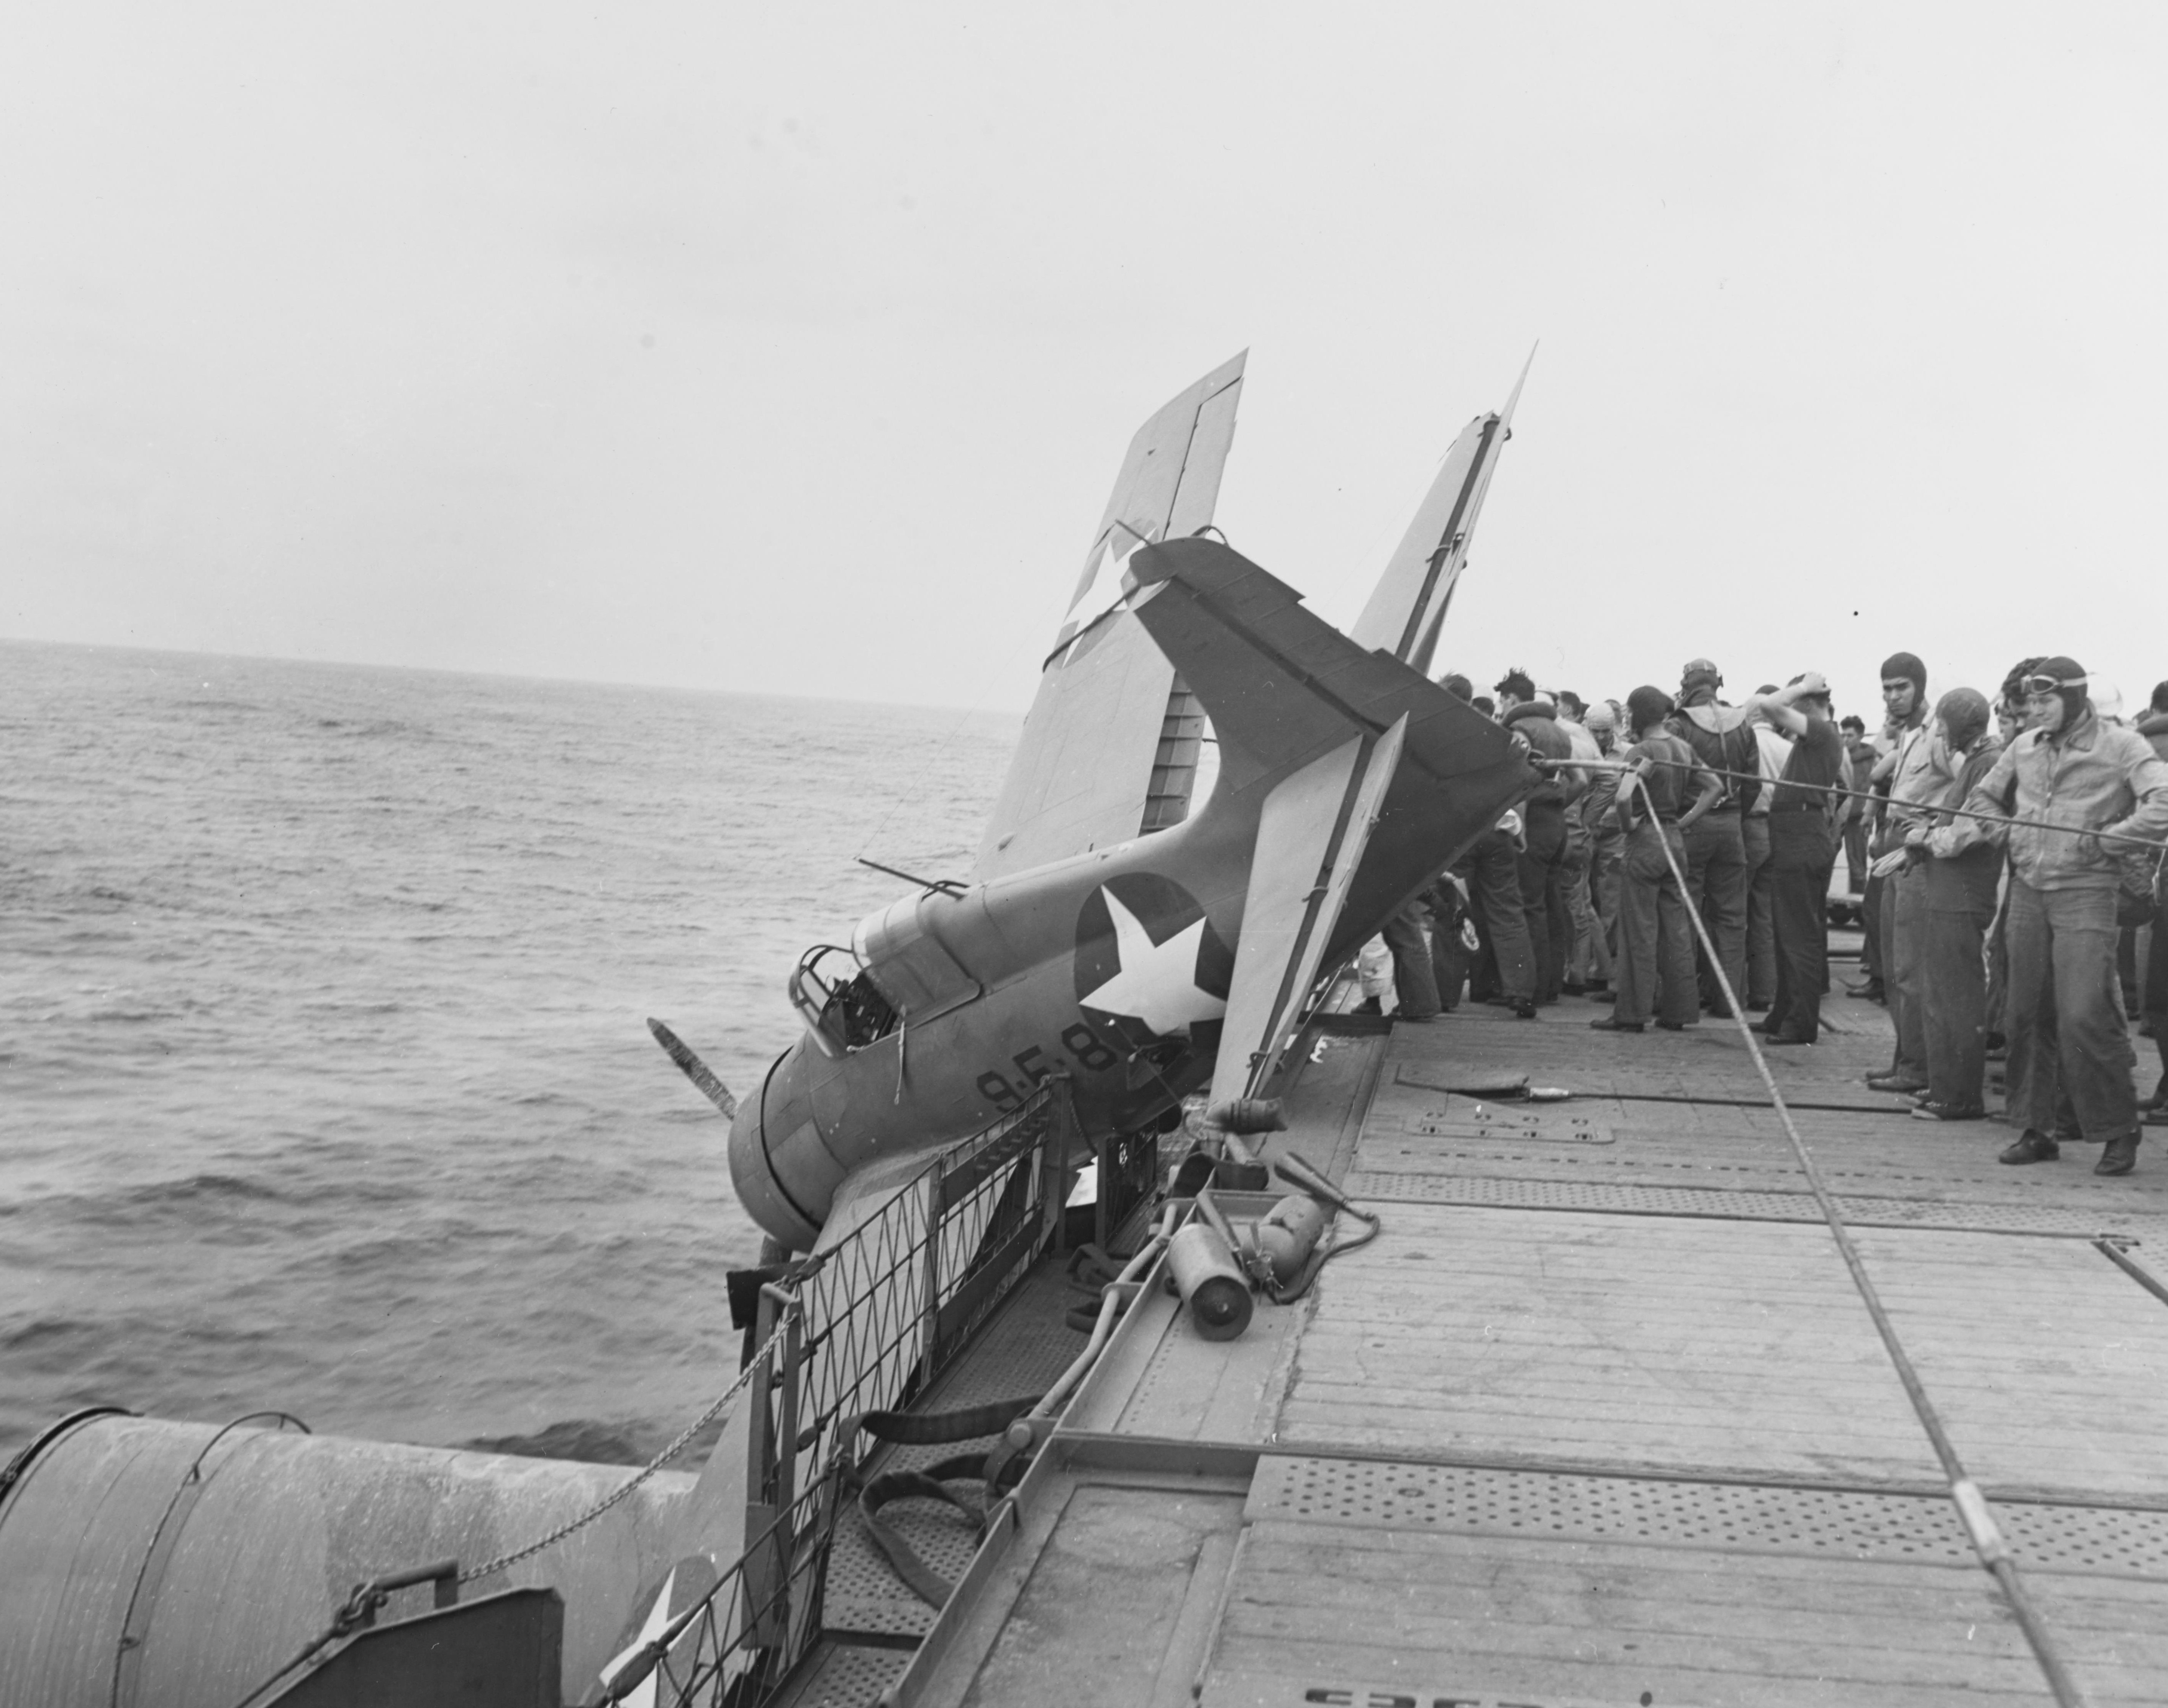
(1157, 982)
(642, 1694)
(1104, 591)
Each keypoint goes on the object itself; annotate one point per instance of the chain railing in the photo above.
(865, 1326)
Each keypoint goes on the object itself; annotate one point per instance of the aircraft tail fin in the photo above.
(1282, 685)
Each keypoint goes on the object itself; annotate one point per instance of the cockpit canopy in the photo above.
(841, 1007)
(896, 972)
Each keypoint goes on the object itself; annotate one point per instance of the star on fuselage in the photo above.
(1157, 982)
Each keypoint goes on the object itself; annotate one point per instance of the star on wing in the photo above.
(643, 1694)
(1157, 982)
(1104, 591)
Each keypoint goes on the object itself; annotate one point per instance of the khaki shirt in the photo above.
(2098, 777)
(1917, 783)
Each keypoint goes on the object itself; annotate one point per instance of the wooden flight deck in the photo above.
(1599, 1417)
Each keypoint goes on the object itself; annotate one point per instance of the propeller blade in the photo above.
(694, 1069)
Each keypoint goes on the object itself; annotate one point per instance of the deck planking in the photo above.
(1601, 1417)
(1702, 1344)
(1496, 1619)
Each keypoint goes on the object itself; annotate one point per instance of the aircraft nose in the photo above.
(776, 1154)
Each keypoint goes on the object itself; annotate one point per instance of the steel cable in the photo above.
(1973, 1510)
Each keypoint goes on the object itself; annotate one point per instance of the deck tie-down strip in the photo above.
(1738, 1204)
(1552, 1506)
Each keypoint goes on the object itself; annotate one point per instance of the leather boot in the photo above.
(2120, 1157)
(2033, 1146)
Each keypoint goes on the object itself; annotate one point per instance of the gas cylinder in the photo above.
(1207, 1277)
(1288, 1234)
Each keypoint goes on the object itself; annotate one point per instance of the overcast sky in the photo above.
(793, 348)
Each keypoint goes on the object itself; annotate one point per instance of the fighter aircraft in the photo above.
(1144, 943)
(1106, 930)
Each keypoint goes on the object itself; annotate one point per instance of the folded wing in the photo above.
(1110, 746)
(1407, 607)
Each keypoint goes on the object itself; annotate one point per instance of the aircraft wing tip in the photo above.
(1505, 416)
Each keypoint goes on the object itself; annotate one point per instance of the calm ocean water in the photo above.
(324, 1084)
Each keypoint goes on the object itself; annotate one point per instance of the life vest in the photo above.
(1724, 741)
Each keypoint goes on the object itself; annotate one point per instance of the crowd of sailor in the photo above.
(2004, 856)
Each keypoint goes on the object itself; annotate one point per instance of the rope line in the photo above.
(1617, 765)
(1973, 1510)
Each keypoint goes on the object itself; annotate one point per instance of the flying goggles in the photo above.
(2049, 684)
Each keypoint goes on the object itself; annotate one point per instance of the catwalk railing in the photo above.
(866, 1325)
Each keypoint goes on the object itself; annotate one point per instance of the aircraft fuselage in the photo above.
(1111, 966)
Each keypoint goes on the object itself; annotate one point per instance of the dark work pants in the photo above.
(1603, 868)
(1414, 985)
(1494, 892)
(1655, 967)
(2066, 1024)
(2153, 1000)
(1802, 851)
(1716, 884)
(1589, 960)
(1998, 971)
(1870, 930)
(1960, 906)
(1761, 926)
(1540, 869)
(1855, 854)
(1449, 954)
(1904, 967)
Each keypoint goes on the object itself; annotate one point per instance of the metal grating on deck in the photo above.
(1412, 1186)
(847, 1675)
(1733, 1518)
(1023, 1351)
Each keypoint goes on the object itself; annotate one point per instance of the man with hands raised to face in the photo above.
(1802, 850)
